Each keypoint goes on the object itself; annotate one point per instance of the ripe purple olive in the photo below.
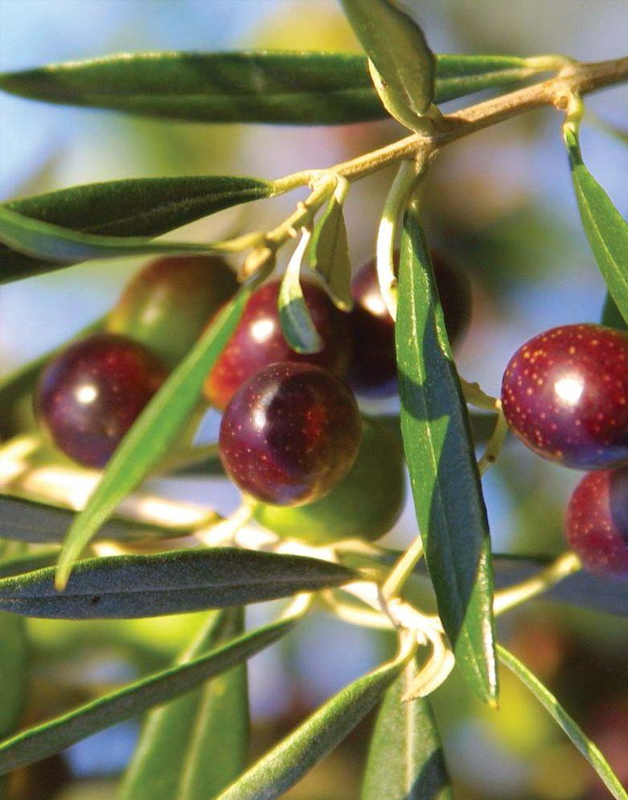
(290, 434)
(365, 504)
(88, 397)
(373, 368)
(565, 395)
(596, 525)
(167, 305)
(258, 341)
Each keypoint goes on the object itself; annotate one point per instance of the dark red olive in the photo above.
(596, 525)
(290, 434)
(565, 395)
(88, 396)
(258, 341)
(373, 369)
(166, 306)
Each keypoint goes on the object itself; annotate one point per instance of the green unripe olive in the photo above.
(364, 505)
(168, 304)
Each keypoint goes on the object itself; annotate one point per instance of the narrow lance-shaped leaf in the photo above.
(588, 749)
(65, 246)
(25, 520)
(606, 229)
(174, 582)
(292, 758)
(297, 88)
(18, 565)
(403, 74)
(296, 322)
(611, 315)
(133, 207)
(57, 734)
(444, 477)
(13, 677)
(328, 251)
(192, 748)
(405, 759)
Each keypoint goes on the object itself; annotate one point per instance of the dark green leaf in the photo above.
(13, 679)
(192, 748)
(588, 749)
(134, 207)
(286, 763)
(611, 315)
(64, 246)
(296, 322)
(16, 388)
(153, 432)
(404, 73)
(40, 523)
(13, 671)
(298, 88)
(18, 565)
(174, 582)
(606, 229)
(57, 734)
(329, 254)
(405, 759)
(443, 472)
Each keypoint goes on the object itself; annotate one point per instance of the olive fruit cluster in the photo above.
(90, 394)
(565, 395)
(291, 436)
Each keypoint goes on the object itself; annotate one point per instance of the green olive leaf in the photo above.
(444, 476)
(405, 760)
(174, 582)
(611, 315)
(292, 758)
(582, 742)
(57, 734)
(606, 229)
(296, 88)
(64, 246)
(131, 207)
(26, 520)
(403, 74)
(296, 323)
(153, 432)
(328, 253)
(192, 748)
(13, 676)
(18, 565)
(13, 670)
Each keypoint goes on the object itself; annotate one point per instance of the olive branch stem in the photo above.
(580, 78)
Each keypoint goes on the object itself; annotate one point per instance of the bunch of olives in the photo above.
(565, 395)
(292, 437)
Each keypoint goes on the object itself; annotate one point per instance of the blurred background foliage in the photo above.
(500, 203)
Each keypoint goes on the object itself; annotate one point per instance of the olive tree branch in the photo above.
(574, 78)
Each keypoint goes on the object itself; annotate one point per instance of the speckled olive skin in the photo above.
(365, 504)
(373, 368)
(167, 305)
(290, 434)
(88, 397)
(258, 341)
(596, 525)
(565, 395)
